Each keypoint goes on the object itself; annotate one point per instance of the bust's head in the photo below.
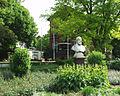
(79, 40)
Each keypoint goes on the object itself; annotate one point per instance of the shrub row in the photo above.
(74, 78)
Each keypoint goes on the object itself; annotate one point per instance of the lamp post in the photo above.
(53, 45)
(0, 48)
(68, 48)
(41, 40)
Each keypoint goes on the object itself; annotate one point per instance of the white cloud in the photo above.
(36, 8)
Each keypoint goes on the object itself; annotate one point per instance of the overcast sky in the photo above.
(36, 8)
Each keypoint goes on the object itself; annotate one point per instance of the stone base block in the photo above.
(79, 61)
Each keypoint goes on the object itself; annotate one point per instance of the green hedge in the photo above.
(20, 62)
(96, 58)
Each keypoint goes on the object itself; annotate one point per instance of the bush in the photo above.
(115, 64)
(96, 58)
(73, 78)
(20, 62)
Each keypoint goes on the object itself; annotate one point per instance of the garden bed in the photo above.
(38, 80)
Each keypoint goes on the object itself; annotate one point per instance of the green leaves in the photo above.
(116, 33)
(114, 64)
(76, 77)
(91, 19)
(20, 62)
(19, 21)
(96, 58)
(43, 45)
(3, 3)
(7, 38)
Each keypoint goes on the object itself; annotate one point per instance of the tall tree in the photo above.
(7, 41)
(93, 20)
(16, 24)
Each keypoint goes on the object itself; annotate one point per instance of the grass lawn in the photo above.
(45, 68)
(4, 62)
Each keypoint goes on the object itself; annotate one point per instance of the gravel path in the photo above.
(4, 65)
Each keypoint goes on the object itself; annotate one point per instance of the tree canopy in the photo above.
(3, 3)
(18, 19)
(116, 33)
(93, 20)
(7, 38)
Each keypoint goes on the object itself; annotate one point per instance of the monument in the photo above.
(79, 49)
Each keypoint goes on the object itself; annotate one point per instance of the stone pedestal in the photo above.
(79, 61)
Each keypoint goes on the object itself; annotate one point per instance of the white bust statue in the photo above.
(78, 48)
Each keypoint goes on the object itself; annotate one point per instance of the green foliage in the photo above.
(114, 77)
(96, 58)
(18, 19)
(43, 44)
(103, 92)
(116, 33)
(114, 64)
(66, 61)
(7, 38)
(7, 41)
(73, 78)
(93, 20)
(118, 91)
(3, 3)
(60, 62)
(44, 67)
(88, 90)
(40, 81)
(20, 63)
(25, 86)
(116, 49)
